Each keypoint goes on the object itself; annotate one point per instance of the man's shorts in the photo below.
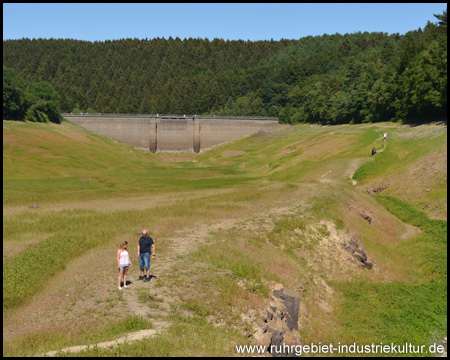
(144, 261)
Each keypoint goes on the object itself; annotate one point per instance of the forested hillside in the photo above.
(330, 79)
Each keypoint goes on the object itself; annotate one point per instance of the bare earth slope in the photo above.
(283, 207)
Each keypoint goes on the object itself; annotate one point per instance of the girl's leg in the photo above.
(120, 277)
(125, 277)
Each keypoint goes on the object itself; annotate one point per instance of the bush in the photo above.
(36, 102)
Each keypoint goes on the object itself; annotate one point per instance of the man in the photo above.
(143, 251)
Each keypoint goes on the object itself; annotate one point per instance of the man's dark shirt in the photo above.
(145, 244)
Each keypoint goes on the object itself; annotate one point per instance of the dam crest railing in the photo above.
(173, 116)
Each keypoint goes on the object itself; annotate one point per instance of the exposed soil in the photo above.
(231, 153)
(327, 255)
(161, 267)
(66, 301)
(139, 202)
(138, 335)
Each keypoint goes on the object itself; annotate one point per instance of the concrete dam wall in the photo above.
(172, 132)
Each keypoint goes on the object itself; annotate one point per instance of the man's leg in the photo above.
(141, 266)
(147, 266)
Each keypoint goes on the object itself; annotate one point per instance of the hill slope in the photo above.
(279, 207)
(330, 79)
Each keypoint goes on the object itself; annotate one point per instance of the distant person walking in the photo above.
(374, 151)
(123, 263)
(143, 251)
(385, 136)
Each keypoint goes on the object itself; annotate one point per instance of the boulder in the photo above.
(360, 255)
(354, 248)
(366, 265)
(367, 218)
(352, 245)
(279, 325)
(262, 338)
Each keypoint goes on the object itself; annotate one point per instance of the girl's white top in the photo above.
(124, 258)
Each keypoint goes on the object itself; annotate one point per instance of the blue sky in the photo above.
(233, 21)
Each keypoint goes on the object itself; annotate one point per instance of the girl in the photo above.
(123, 263)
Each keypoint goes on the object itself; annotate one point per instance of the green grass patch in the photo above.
(373, 169)
(427, 250)
(399, 312)
(25, 274)
(392, 312)
(294, 173)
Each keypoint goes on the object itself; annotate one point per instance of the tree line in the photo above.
(30, 101)
(328, 79)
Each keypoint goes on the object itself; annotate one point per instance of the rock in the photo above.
(279, 325)
(276, 339)
(292, 338)
(262, 338)
(351, 246)
(367, 217)
(366, 265)
(354, 247)
(267, 315)
(277, 291)
(360, 255)
(292, 304)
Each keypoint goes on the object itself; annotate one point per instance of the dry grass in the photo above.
(126, 202)
(219, 248)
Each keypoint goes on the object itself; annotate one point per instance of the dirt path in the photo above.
(138, 335)
(342, 172)
(353, 165)
(161, 267)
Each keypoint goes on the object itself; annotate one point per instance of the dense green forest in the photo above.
(37, 102)
(328, 79)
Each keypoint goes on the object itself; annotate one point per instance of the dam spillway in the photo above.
(172, 132)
